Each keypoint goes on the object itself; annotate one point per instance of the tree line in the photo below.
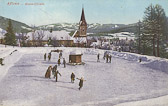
(153, 32)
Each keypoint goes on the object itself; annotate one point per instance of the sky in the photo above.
(69, 11)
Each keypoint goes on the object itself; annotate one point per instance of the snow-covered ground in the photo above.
(124, 82)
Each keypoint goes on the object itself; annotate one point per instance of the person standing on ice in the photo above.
(64, 62)
(48, 72)
(56, 75)
(72, 77)
(80, 82)
(107, 56)
(98, 57)
(60, 54)
(49, 56)
(110, 58)
(45, 57)
(54, 70)
(59, 62)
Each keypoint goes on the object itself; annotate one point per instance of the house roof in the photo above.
(45, 35)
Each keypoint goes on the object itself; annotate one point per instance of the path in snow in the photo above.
(106, 83)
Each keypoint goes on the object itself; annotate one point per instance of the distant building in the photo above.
(41, 38)
(80, 36)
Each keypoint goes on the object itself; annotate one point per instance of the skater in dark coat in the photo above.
(49, 56)
(72, 77)
(80, 82)
(56, 75)
(48, 72)
(140, 59)
(64, 62)
(59, 62)
(60, 54)
(98, 56)
(110, 58)
(45, 55)
(107, 56)
(54, 70)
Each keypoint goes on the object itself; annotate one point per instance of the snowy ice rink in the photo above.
(120, 83)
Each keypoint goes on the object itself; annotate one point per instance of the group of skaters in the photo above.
(59, 59)
(108, 58)
(54, 71)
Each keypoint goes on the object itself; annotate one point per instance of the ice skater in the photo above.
(59, 62)
(110, 58)
(72, 77)
(64, 62)
(45, 55)
(80, 82)
(56, 75)
(49, 56)
(48, 72)
(98, 57)
(107, 56)
(54, 70)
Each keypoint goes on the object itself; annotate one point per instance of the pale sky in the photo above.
(96, 11)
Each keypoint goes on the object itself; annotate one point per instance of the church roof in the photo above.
(82, 20)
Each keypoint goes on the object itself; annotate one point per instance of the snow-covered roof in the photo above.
(80, 40)
(57, 35)
(76, 52)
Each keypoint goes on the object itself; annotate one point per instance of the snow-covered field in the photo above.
(124, 82)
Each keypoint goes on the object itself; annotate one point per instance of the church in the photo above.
(80, 35)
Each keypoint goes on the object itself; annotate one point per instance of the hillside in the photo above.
(18, 26)
(92, 28)
(95, 28)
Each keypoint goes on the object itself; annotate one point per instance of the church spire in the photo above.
(83, 16)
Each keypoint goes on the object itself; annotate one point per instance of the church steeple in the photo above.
(82, 15)
(82, 20)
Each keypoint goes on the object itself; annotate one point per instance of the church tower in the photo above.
(80, 35)
(82, 25)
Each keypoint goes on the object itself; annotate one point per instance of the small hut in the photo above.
(75, 57)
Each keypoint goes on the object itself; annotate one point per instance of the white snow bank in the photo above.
(10, 57)
(160, 101)
(148, 61)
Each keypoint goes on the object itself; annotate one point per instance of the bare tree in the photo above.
(39, 37)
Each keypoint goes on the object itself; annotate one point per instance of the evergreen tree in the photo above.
(153, 30)
(10, 38)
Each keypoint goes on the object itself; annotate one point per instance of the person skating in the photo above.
(64, 62)
(107, 56)
(54, 70)
(110, 58)
(80, 82)
(56, 75)
(48, 72)
(45, 55)
(59, 62)
(72, 77)
(60, 54)
(140, 59)
(49, 56)
(98, 56)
